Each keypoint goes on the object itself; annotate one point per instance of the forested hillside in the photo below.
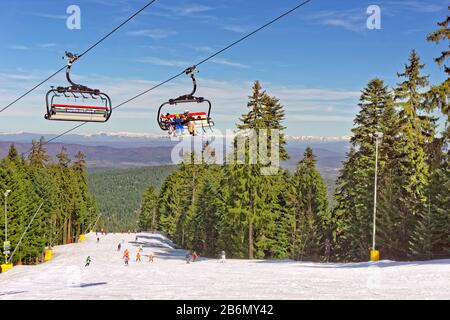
(239, 209)
(249, 214)
(52, 199)
(118, 193)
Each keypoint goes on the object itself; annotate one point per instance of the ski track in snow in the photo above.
(169, 277)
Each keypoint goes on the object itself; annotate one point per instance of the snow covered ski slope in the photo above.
(169, 277)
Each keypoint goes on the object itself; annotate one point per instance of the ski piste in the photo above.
(170, 277)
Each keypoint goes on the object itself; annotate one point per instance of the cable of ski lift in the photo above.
(183, 72)
(82, 54)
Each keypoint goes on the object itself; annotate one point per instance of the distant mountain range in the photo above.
(119, 139)
(126, 150)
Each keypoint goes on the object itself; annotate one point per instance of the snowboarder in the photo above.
(88, 261)
(222, 256)
(138, 257)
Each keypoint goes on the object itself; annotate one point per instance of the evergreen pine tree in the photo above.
(149, 205)
(355, 185)
(412, 169)
(308, 197)
(253, 196)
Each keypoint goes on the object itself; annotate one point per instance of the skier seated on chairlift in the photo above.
(189, 122)
(178, 124)
(168, 123)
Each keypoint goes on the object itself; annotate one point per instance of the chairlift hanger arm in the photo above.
(189, 96)
(72, 58)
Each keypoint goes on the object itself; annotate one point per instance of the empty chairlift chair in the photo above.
(77, 102)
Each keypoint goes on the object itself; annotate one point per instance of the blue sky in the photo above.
(315, 61)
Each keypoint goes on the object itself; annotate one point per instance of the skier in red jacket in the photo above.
(194, 256)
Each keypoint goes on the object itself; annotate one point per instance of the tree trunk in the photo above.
(250, 240)
(153, 226)
(182, 237)
(69, 230)
(65, 236)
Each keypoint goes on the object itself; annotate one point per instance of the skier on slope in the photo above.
(222, 256)
(119, 246)
(88, 261)
(126, 256)
(138, 257)
(194, 256)
(188, 257)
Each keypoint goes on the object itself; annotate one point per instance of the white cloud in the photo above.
(10, 76)
(228, 63)
(419, 6)
(206, 49)
(155, 34)
(311, 94)
(188, 10)
(31, 47)
(47, 45)
(163, 62)
(229, 100)
(19, 47)
(191, 9)
(50, 16)
(353, 20)
(346, 24)
(321, 118)
(235, 28)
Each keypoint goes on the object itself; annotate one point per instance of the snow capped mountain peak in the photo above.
(319, 138)
(145, 136)
(124, 134)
